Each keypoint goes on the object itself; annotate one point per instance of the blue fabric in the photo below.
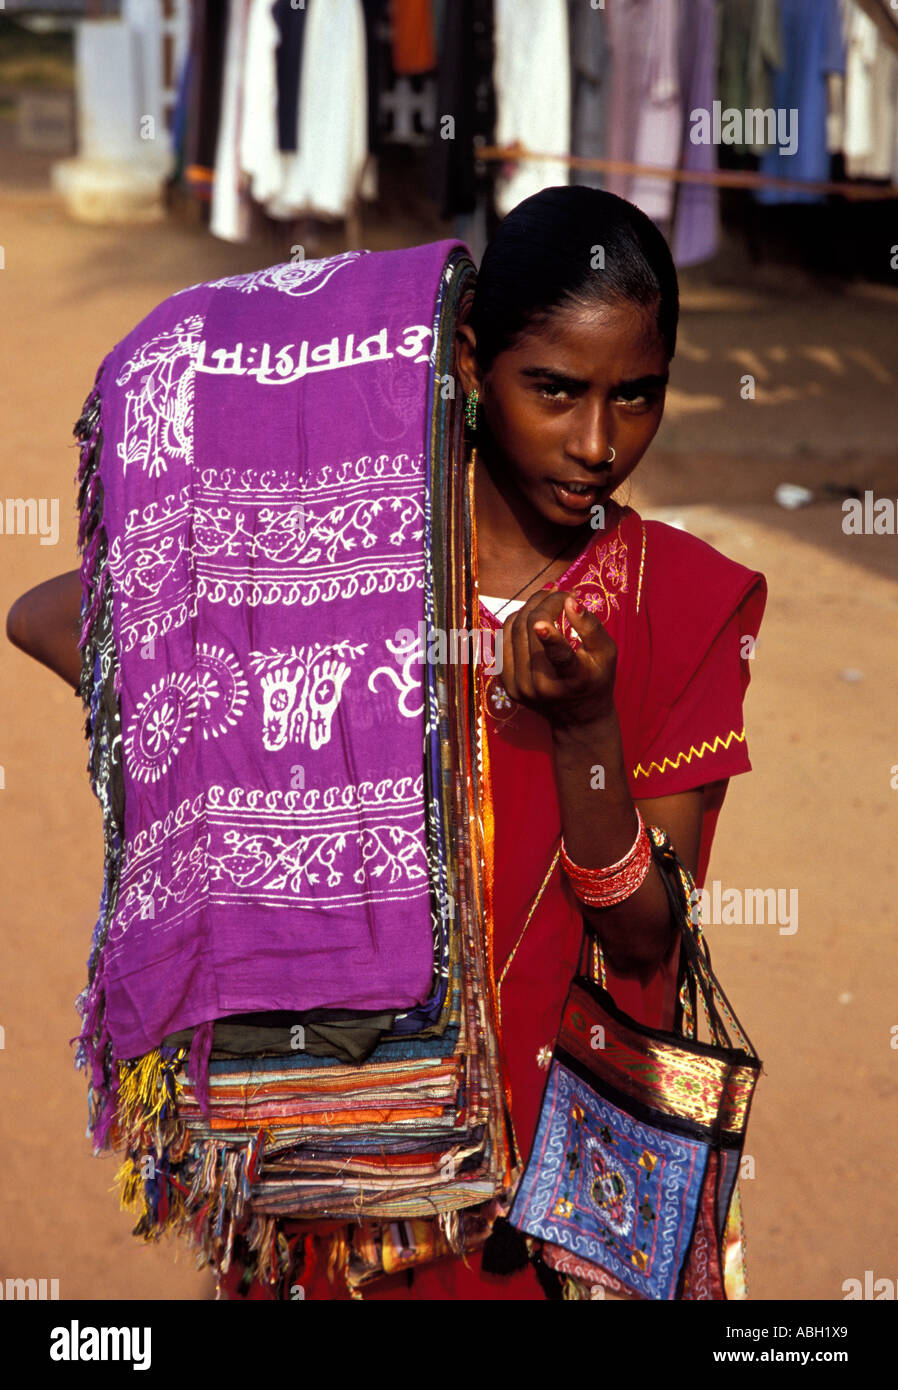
(619, 1193)
(813, 47)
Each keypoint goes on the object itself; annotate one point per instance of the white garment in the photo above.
(260, 156)
(505, 605)
(229, 215)
(323, 176)
(532, 78)
(871, 92)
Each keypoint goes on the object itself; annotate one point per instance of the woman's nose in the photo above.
(588, 441)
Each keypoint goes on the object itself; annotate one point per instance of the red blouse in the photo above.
(684, 618)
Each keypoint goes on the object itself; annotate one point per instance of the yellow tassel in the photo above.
(451, 1228)
(132, 1195)
(338, 1258)
(141, 1092)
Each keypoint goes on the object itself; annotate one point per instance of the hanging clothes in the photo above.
(871, 97)
(230, 213)
(812, 49)
(697, 223)
(260, 158)
(291, 22)
(532, 77)
(751, 54)
(323, 177)
(208, 26)
(646, 115)
(465, 92)
(590, 63)
(378, 65)
(413, 40)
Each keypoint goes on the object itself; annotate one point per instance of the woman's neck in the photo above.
(509, 530)
(518, 551)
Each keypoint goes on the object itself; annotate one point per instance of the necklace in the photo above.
(548, 565)
(529, 581)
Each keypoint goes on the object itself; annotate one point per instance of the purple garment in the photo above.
(696, 224)
(813, 47)
(264, 462)
(645, 120)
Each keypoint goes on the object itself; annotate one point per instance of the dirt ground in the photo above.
(818, 814)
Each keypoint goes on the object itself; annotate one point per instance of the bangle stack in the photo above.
(607, 887)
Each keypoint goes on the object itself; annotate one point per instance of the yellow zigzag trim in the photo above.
(674, 763)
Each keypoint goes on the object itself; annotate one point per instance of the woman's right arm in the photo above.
(46, 623)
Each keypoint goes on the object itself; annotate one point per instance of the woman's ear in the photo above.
(466, 361)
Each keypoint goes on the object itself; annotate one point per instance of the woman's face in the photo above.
(555, 405)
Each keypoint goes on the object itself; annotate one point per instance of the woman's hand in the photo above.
(540, 668)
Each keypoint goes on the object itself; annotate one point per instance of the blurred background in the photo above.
(147, 145)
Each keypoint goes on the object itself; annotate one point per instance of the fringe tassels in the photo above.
(103, 729)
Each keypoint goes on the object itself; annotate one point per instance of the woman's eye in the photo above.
(636, 401)
(552, 390)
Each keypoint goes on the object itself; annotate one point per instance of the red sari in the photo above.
(680, 614)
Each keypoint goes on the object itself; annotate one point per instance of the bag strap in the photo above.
(699, 972)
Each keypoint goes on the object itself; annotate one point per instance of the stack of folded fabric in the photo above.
(291, 1011)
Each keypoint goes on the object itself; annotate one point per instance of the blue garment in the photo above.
(813, 47)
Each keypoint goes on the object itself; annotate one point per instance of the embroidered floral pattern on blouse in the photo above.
(598, 589)
(602, 582)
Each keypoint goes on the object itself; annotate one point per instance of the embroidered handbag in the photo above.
(632, 1175)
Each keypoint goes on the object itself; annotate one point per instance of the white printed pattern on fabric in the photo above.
(408, 683)
(213, 698)
(222, 691)
(275, 366)
(294, 278)
(296, 543)
(278, 850)
(158, 429)
(301, 691)
(161, 724)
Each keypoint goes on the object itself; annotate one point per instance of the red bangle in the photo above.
(617, 882)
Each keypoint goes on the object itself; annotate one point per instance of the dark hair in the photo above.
(544, 257)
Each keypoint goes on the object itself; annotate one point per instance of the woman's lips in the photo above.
(576, 501)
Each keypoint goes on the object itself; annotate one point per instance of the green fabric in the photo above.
(350, 1039)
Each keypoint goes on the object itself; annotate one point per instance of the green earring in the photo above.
(471, 410)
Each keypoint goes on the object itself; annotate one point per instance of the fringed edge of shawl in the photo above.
(98, 688)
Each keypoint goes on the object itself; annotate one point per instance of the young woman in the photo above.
(623, 641)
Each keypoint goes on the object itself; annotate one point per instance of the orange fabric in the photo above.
(414, 44)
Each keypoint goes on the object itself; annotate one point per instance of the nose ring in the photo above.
(613, 455)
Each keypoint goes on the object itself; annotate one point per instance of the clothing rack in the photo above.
(530, 81)
(719, 178)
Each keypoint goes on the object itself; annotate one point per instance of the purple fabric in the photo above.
(695, 233)
(264, 463)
